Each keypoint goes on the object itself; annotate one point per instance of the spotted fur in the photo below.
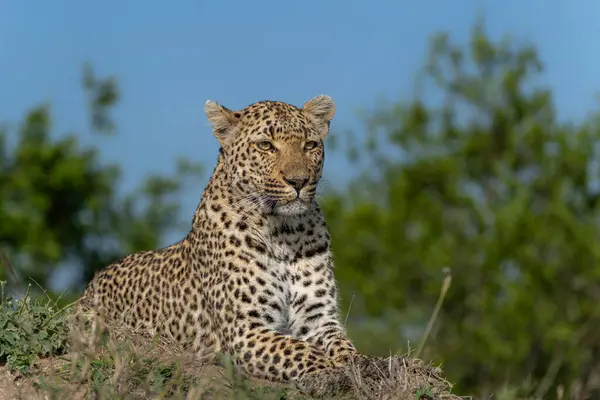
(254, 276)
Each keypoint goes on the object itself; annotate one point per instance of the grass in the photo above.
(47, 354)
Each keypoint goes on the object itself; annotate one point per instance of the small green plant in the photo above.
(424, 394)
(30, 329)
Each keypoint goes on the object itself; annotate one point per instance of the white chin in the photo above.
(294, 208)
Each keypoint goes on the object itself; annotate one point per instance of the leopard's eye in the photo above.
(311, 145)
(265, 145)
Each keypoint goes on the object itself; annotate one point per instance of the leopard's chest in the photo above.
(281, 271)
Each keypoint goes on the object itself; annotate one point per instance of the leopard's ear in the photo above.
(223, 120)
(320, 110)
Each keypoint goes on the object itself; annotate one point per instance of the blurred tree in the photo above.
(59, 204)
(489, 183)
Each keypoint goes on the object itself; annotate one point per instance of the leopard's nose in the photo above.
(297, 182)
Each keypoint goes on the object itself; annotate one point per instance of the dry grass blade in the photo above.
(6, 261)
(438, 306)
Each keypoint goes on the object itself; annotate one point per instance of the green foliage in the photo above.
(59, 204)
(488, 182)
(30, 329)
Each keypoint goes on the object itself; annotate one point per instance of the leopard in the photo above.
(254, 276)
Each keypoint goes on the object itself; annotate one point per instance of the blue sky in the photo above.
(171, 57)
